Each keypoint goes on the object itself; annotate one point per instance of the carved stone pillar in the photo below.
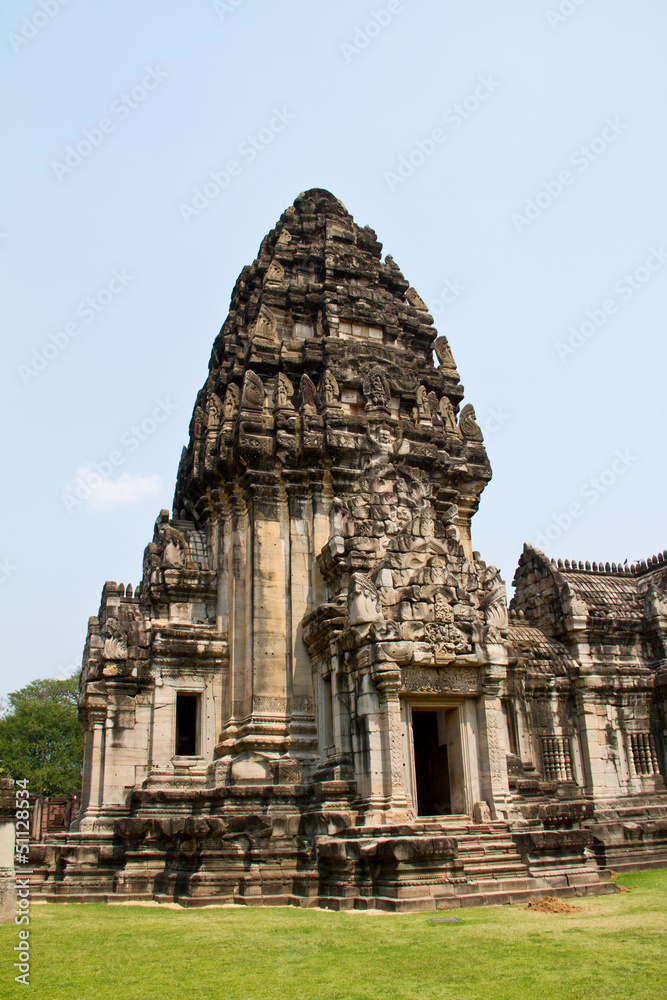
(493, 751)
(387, 677)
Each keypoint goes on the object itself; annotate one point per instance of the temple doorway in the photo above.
(437, 775)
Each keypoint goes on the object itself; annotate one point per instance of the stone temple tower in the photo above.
(316, 692)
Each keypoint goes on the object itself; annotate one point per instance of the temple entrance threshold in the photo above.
(438, 787)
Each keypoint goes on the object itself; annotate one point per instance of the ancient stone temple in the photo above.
(316, 695)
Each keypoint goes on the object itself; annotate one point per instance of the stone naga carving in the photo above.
(656, 602)
(266, 324)
(493, 602)
(308, 394)
(363, 601)
(276, 272)
(415, 300)
(252, 397)
(115, 641)
(175, 549)
(443, 353)
(468, 424)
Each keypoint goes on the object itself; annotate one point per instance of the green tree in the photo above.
(41, 738)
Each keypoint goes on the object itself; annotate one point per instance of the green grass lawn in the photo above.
(614, 947)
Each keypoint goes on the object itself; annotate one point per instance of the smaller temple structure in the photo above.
(317, 694)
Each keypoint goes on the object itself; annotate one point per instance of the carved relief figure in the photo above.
(213, 411)
(115, 641)
(363, 601)
(231, 403)
(282, 393)
(468, 424)
(423, 410)
(434, 406)
(376, 389)
(329, 389)
(284, 238)
(448, 416)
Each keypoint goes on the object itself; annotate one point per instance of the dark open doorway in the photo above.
(431, 764)
(186, 725)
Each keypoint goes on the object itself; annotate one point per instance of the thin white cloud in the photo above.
(99, 492)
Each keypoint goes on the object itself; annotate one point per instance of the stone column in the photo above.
(387, 677)
(93, 786)
(493, 751)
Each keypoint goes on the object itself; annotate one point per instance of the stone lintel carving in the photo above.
(446, 680)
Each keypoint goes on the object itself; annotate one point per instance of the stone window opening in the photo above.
(327, 712)
(187, 735)
(509, 712)
(557, 758)
(642, 756)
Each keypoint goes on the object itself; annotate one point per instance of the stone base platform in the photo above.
(433, 864)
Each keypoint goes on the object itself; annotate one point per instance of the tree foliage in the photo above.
(41, 738)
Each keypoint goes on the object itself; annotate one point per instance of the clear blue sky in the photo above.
(510, 157)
